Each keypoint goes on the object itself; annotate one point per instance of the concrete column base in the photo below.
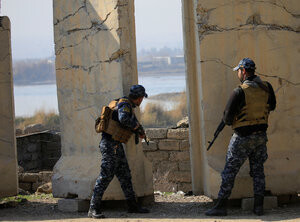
(288, 199)
(79, 205)
(73, 205)
(269, 203)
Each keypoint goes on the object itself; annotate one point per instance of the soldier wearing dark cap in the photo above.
(247, 112)
(122, 125)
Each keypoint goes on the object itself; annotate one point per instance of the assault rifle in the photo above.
(140, 132)
(218, 130)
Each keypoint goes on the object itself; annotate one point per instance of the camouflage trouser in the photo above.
(114, 162)
(239, 149)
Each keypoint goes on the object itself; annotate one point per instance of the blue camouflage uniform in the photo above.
(247, 111)
(114, 161)
(246, 142)
(239, 149)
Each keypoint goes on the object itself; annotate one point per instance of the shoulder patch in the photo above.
(126, 109)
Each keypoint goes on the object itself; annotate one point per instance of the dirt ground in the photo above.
(176, 207)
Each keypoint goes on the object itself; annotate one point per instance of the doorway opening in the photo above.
(160, 57)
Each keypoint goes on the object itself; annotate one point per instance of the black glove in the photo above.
(140, 130)
(136, 138)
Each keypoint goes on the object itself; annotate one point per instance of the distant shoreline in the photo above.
(36, 83)
(148, 74)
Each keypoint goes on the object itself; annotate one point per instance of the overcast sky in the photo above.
(158, 24)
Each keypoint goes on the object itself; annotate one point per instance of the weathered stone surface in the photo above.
(27, 157)
(269, 203)
(29, 177)
(165, 186)
(168, 144)
(151, 147)
(156, 133)
(36, 185)
(34, 156)
(184, 123)
(45, 176)
(185, 166)
(20, 169)
(184, 145)
(164, 167)
(73, 205)
(39, 151)
(32, 147)
(33, 164)
(23, 192)
(180, 176)
(45, 188)
(267, 32)
(95, 63)
(185, 187)
(181, 133)
(157, 156)
(179, 156)
(33, 128)
(8, 154)
(25, 186)
(19, 132)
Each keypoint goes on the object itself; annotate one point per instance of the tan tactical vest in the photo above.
(256, 109)
(108, 125)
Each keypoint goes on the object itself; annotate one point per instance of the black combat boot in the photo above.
(258, 208)
(95, 213)
(134, 207)
(220, 209)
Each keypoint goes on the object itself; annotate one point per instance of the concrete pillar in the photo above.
(217, 35)
(8, 153)
(95, 63)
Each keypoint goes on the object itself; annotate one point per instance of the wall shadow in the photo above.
(33, 211)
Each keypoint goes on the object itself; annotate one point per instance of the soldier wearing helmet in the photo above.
(247, 112)
(114, 162)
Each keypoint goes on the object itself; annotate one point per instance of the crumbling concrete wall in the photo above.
(8, 154)
(217, 35)
(95, 63)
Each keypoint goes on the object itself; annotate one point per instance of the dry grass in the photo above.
(155, 116)
(50, 119)
(152, 116)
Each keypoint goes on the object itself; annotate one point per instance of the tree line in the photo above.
(32, 72)
(42, 71)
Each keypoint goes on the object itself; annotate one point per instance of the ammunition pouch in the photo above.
(106, 124)
(101, 122)
(117, 132)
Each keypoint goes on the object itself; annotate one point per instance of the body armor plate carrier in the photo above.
(256, 109)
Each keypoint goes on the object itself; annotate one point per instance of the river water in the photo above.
(29, 99)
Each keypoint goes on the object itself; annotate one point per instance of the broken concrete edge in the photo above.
(40, 132)
(79, 205)
(269, 201)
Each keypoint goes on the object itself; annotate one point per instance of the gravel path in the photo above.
(176, 207)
